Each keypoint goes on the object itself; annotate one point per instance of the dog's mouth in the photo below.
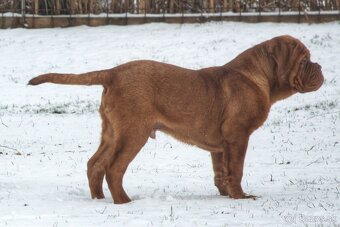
(310, 80)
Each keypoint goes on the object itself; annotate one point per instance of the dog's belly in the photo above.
(192, 136)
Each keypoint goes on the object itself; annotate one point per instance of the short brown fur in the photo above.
(214, 108)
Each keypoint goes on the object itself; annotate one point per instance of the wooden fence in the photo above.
(71, 7)
(59, 13)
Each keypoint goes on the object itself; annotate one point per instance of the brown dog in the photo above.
(214, 108)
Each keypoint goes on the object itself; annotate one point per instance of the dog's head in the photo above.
(293, 64)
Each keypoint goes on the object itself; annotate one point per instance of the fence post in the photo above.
(182, 12)
(280, 10)
(126, 11)
(319, 6)
(89, 14)
(259, 19)
(201, 5)
(23, 12)
(23, 8)
(221, 4)
(163, 8)
(299, 11)
(240, 9)
(107, 9)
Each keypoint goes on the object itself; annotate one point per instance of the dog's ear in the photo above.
(279, 54)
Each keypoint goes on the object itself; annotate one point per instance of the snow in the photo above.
(49, 132)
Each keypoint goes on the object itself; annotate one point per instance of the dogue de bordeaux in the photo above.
(214, 108)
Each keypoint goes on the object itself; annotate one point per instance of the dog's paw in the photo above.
(223, 191)
(243, 196)
(121, 199)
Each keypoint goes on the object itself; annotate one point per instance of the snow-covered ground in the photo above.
(47, 133)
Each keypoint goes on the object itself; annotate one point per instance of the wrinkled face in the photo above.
(309, 76)
(294, 64)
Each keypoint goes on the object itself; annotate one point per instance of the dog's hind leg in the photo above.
(130, 143)
(96, 172)
(96, 164)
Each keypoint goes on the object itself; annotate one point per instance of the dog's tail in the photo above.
(91, 78)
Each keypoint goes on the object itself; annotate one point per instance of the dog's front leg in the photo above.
(220, 171)
(234, 156)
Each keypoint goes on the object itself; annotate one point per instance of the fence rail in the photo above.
(15, 13)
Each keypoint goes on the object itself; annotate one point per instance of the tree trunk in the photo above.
(230, 5)
(56, 5)
(113, 6)
(171, 6)
(205, 6)
(36, 7)
(295, 5)
(126, 6)
(225, 6)
(71, 7)
(211, 6)
(337, 4)
(46, 7)
(147, 6)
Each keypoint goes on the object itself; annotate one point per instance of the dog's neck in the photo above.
(256, 65)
